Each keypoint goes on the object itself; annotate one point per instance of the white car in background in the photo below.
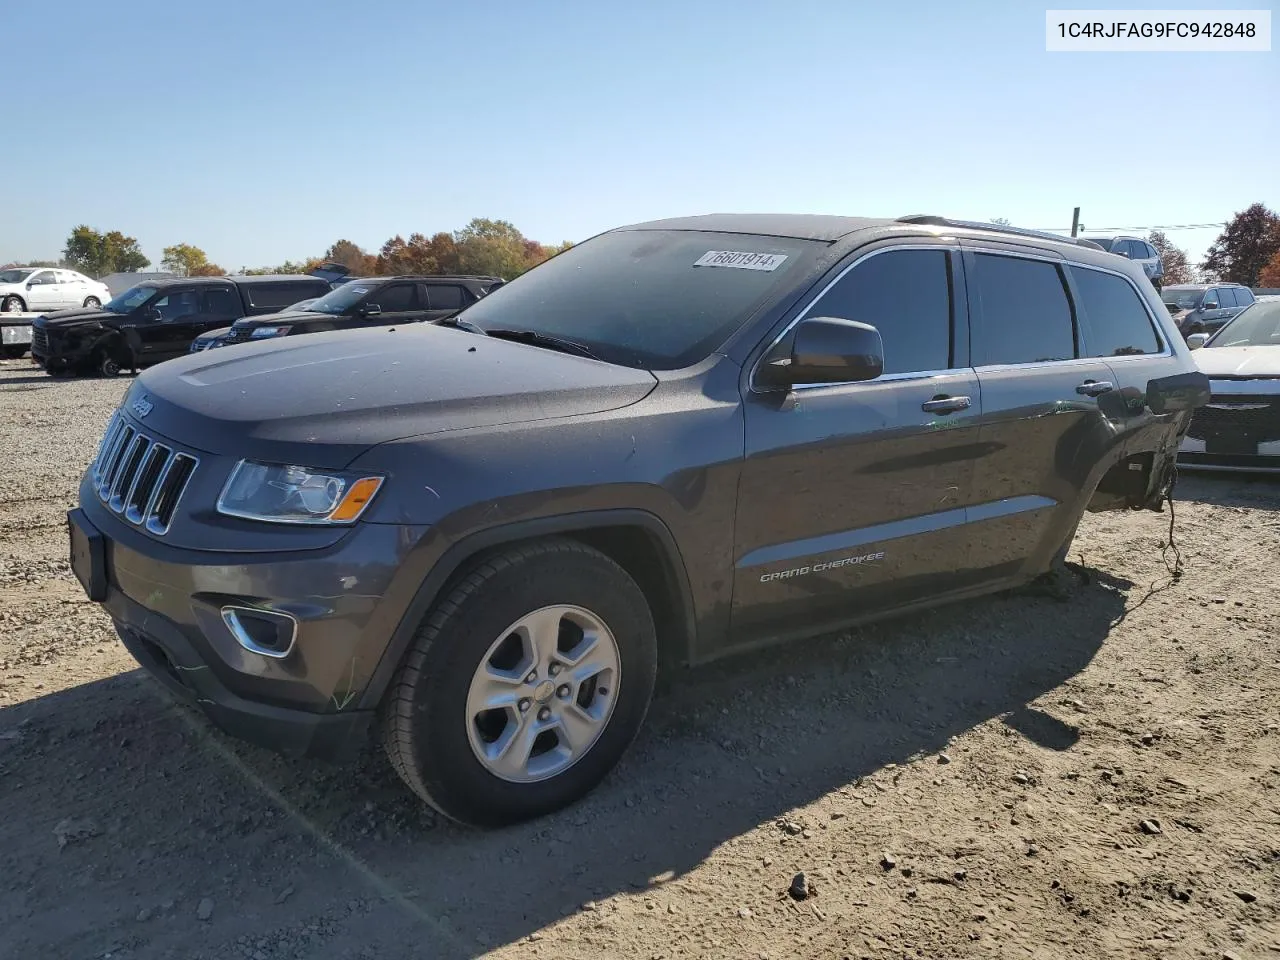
(45, 289)
(1239, 429)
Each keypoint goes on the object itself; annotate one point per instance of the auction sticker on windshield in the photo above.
(740, 260)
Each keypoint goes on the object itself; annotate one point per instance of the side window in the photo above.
(177, 305)
(395, 297)
(44, 277)
(1227, 297)
(1244, 296)
(1118, 323)
(1026, 316)
(444, 297)
(906, 295)
(1144, 252)
(277, 296)
(220, 302)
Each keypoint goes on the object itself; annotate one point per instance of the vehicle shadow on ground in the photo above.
(726, 748)
(1229, 489)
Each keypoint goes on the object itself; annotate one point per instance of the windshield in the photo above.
(657, 299)
(132, 298)
(1254, 326)
(1181, 297)
(342, 299)
(14, 276)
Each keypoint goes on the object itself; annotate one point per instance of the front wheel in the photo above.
(108, 365)
(92, 303)
(12, 304)
(524, 685)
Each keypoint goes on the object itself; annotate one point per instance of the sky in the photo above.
(265, 131)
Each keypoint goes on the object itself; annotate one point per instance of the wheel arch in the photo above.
(638, 541)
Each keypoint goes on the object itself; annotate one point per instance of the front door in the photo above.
(853, 496)
(1049, 412)
(44, 292)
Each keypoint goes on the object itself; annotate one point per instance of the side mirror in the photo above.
(370, 310)
(1209, 305)
(1196, 340)
(828, 350)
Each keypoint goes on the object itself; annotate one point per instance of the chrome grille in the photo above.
(140, 478)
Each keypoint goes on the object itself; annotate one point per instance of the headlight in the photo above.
(287, 494)
(262, 332)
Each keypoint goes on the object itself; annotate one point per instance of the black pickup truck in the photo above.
(158, 319)
(360, 302)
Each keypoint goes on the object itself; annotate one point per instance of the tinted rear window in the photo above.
(444, 297)
(280, 295)
(1118, 323)
(640, 297)
(1226, 297)
(1026, 317)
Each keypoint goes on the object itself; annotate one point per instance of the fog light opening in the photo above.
(267, 633)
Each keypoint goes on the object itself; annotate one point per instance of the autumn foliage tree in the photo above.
(1245, 246)
(1269, 277)
(189, 261)
(1177, 269)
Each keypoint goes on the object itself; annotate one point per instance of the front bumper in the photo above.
(167, 603)
(1238, 431)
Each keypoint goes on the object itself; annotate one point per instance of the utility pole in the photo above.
(1075, 221)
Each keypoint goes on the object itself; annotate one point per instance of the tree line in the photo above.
(485, 247)
(1247, 251)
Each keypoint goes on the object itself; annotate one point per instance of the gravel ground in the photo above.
(1016, 777)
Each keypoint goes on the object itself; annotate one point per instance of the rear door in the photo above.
(1043, 427)
(178, 324)
(852, 496)
(444, 299)
(1119, 326)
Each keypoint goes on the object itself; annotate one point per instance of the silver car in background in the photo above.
(1239, 429)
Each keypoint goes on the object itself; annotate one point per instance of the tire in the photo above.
(13, 351)
(12, 304)
(431, 729)
(107, 364)
(92, 303)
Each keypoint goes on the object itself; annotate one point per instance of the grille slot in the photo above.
(39, 341)
(140, 478)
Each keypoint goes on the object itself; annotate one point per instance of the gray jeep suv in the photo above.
(676, 440)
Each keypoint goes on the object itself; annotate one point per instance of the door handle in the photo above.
(946, 404)
(1095, 388)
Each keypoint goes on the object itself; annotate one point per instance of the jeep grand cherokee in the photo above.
(675, 440)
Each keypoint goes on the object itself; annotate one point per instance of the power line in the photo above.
(1176, 226)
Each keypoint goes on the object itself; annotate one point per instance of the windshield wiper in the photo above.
(533, 338)
(457, 322)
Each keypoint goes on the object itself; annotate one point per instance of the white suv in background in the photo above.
(45, 289)
(1136, 249)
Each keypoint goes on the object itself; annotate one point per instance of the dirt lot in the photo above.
(1018, 777)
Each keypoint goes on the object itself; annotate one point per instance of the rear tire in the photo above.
(479, 645)
(92, 303)
(12, 304)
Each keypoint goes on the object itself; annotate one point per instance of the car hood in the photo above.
(1238, 361)
(324, 399)
(65, 319)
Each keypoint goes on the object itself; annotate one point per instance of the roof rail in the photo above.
(929, 220)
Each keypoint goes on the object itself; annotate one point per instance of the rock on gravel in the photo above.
(71, 829)
(800, 888)
(204, 910)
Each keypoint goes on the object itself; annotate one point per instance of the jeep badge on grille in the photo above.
(140, 407)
